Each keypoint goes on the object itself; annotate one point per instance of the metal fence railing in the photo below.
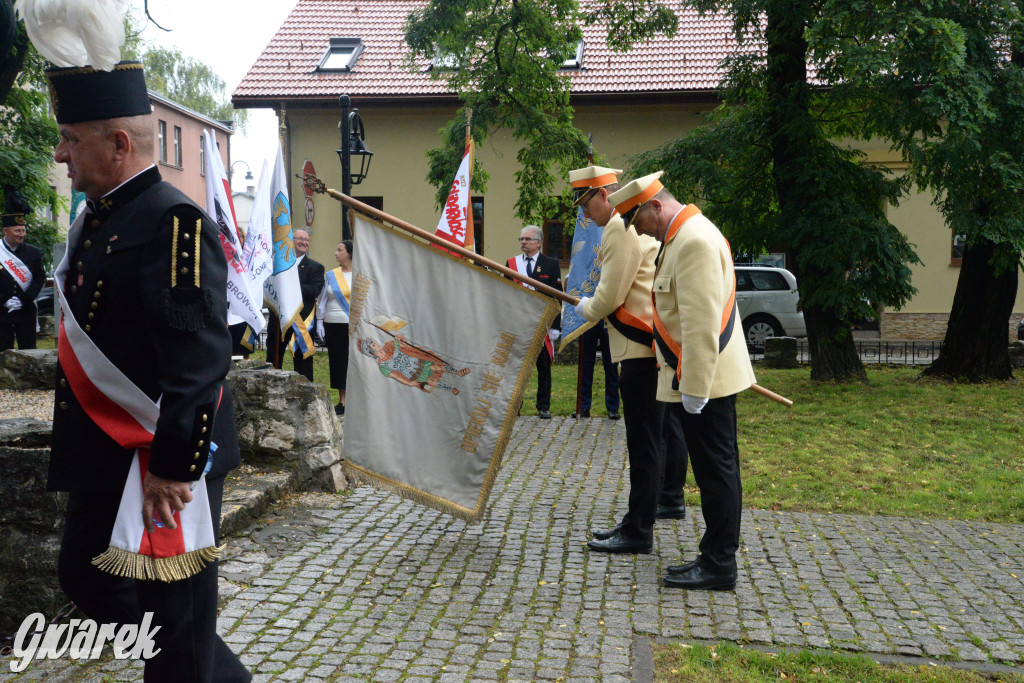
(877, 351)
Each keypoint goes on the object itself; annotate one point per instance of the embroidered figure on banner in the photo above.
(405, 362)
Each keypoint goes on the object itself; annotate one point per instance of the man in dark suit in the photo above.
(21, 279)
(311, 279)
(144, 279)
(545, 270)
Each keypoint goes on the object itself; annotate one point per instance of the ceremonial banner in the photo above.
(584, 273)
(242, 305)
(456, 223)
(282, 291)
(258, 250)
(436, 378)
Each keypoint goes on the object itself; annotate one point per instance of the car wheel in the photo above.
(758, 328)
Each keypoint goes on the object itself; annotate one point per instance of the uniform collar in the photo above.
(126, 192)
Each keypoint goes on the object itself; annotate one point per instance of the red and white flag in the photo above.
(242, 305)
(456, 223)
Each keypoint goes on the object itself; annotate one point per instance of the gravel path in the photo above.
(36, 403)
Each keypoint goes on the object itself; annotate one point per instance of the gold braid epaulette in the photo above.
(184, 254)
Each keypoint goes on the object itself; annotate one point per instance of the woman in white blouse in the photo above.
(332, 309)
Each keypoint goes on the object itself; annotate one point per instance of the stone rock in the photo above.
(46, 327)
(29, 369)
(780, 352)
(285, 421)
(1017, 354)
(31, 524)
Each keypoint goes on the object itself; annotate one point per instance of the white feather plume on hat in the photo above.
(76, 32)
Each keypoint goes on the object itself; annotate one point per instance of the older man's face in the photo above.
(15, 235)
(90, 157)
(529, 243)
(301, 240)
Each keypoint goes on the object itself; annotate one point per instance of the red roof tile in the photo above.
(286, 70)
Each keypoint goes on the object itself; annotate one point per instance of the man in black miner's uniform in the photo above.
(147, 288)
(21, 278)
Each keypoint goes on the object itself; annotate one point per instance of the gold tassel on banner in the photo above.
(362, 476)
(120, 562)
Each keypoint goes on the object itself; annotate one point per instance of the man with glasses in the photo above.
(703, 364)
(657, 460)
(545, 270)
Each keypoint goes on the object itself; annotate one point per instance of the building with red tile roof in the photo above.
(631, 102)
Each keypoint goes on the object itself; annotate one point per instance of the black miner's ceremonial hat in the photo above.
(82, 93)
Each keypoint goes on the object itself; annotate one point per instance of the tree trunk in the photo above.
(792, 131)
(976, 346)
(12, 57)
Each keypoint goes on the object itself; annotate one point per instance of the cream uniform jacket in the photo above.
(627, 274)
(694, 298)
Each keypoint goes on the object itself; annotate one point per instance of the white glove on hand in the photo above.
(693, 405)
(579, 307)
(13, 304)
(320, 329)
(554, 334)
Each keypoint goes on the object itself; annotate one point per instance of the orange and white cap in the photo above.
(635, 194)
(583, 180)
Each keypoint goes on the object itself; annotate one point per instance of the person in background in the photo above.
(545, 270)
(593, 340)
(21, 280)
(332, 311)
(311, 279)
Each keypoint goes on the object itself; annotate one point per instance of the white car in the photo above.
(769, 304)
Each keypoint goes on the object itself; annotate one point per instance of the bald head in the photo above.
(301, 240)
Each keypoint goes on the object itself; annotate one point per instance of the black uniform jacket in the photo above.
(166, 331)
(547, 272)
(33, 258)
(311, 279)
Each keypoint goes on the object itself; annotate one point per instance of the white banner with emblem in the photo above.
(441, 351)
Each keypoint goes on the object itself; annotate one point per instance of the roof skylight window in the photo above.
(341, 54)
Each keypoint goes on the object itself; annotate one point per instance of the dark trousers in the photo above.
(303, 366)
(674, 445)
(594, 339)
(185, 611)
(337, 353)
(543, 380)
(638, 382)
(20, 324)
(715, 456)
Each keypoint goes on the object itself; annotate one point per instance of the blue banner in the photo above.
(584, 273)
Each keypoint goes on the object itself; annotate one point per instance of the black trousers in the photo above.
(185, 611)
(673, 442)
(594, 339)
(543, 380)
(20, 324)
(638, 384)
(337, 353)
(303, 366)
(715, 456)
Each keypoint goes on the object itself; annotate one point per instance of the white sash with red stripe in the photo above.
(128, 416)
(15, 266)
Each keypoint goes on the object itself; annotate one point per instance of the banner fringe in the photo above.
(578, 332)
(121, 562)
(357, 475)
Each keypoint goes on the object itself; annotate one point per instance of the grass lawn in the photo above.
(728, 663)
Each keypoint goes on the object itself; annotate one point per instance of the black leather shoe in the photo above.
(671, 512)
(696, 578)
(544, 414)
(675, 569)
(585, 413)
(617, 543)
(602, 534)
(339, 409)
(614, 416)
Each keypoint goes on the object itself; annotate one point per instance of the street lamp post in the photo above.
(231, 172)
(352, 146)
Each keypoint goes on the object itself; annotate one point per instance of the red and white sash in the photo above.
(518, 264)
(126, 414)
(14, 265)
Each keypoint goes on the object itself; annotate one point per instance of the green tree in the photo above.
(945, 82)
(502, 60)
(772, 177)
(28, 136)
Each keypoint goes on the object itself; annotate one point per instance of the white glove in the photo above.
(554, 334)
(579, 307)
(13, 304)
(320, 329)
(693, 405)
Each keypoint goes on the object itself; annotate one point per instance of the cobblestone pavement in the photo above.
(369, 586)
